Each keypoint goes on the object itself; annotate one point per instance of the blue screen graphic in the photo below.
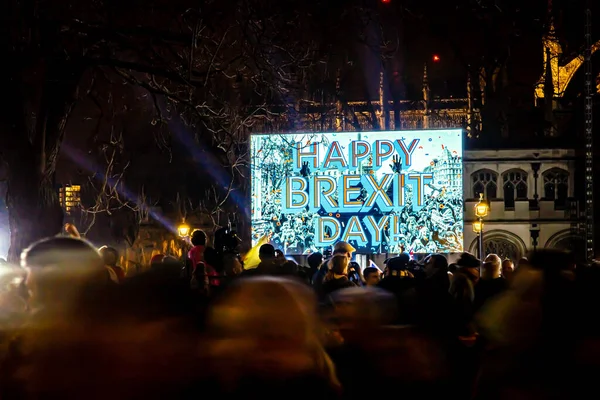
(383, 192)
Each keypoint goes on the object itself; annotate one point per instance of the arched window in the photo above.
(503, 243)
(571, 243)
(515, 187)
(556, 186)
(486, 182)
(503, 248)
(567, 240)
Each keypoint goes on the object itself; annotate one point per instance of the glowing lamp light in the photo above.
(386, 1)
(183, 230)
(482, 208)
(436, 58)
(477, 226)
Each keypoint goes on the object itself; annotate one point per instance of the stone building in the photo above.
(448, 169)
(531, 197)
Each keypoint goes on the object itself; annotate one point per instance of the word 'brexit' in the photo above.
(344, 195)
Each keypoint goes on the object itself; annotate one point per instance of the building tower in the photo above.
(426, 99)
(589, 140)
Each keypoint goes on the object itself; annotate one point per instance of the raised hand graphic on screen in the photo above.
(305, 171)
(396, 164)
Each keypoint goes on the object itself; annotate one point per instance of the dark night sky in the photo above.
(459, 32)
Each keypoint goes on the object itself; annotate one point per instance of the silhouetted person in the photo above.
(491, 282)
(523, 262)
(314, 263)
(462, 290)
(270, 264)
(451, 270)
(434, 300)
(400, 281)
(337, 276)
(202, 271)
(340, 248)
(111, 258)
(508, 269)
(280, 256)
(290, 269)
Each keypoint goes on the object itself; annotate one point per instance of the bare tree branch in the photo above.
(109, 190)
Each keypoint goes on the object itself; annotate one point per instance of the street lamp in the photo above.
(477, 227)
(183, 229)
(481, 211)
(482, 208)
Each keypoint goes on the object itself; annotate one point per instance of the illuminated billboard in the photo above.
(383, 192)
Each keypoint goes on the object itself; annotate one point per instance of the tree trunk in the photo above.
(33, 127)
(33, 207)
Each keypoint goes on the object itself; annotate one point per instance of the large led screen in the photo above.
(383, 192)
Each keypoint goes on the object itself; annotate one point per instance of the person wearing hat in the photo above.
(337, 276)
(341, 247)
(345, 248)
(462, 290)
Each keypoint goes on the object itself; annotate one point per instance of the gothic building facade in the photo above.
(531, 198)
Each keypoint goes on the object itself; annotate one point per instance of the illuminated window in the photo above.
(515, 187)
(486, 182)
(70, 197)
(556, 186)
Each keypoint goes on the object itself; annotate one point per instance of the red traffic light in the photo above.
(386, 1)
(436, 58)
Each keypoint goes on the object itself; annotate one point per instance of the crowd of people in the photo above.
(74, 326)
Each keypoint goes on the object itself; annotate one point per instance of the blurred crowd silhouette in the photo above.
(74, 326)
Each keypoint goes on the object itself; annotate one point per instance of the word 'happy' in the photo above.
(358, 150)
